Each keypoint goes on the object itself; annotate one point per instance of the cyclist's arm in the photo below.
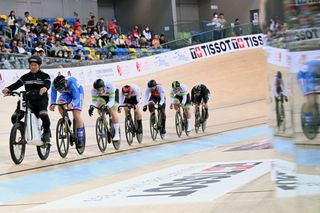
(53, 95)
(19, 83)
(146, 96)
(162, 95)
(112, 97)
(283, 88)
(138, 97)
(192, 95)
(121, 96)
(275, 93)
(184, 98)
(75, 94)
(171, 96)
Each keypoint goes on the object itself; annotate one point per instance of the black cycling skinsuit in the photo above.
(204, 94)
(33, 82)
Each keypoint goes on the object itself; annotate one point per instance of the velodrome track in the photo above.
(139, 178)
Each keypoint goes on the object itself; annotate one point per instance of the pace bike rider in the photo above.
(279, 88)
(37, 84)
(71, 93)
(131, 94)
(198, 93)
(155, 94)
(106, 95)
(179, 95)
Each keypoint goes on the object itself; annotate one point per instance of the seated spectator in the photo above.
(156, 41)
(143, 42)
(135, 33)
(111, 46)
(112, 27)
(147, 34)
(3, 49)
(102, 41)
(120, 41)
(21, 49)
(101, 25)
(237, 28)
(79, 55)
(83, 39)
(69, 39)
(40, 51)
(91, 24)
(91, 42)
(14, 46)
(162, 39)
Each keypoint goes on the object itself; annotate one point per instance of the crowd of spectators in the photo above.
(69, 38)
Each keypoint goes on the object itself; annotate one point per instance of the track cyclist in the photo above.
(37, 83)
(106, 95)
(131, 95)
(179, 95)
(198, 93)
(71, 93)
(155, 94)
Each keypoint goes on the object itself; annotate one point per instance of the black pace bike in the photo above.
(131, 126)
(25, 132)
(181, 121)
(280, 113)
(66, 133)
(105, 130)
(200, 118)
(156, 122)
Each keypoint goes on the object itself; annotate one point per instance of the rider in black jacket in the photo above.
(37, 83)
(198, 93)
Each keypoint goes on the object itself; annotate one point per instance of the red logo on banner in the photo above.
(138, 66)
(198, 52)
(241, 42)
(119, 70)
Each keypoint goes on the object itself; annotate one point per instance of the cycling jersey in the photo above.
(33, 82)
(157, 93)
(181, 92)
(309, 77)
(133, 98)
(110, 96)
(279, 87)
(204, 94)
(73, 93)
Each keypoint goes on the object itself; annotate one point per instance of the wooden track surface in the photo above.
(238, 84)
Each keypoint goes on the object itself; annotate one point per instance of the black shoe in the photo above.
(139, 131)
(46, 137)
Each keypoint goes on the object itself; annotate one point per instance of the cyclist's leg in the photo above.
(137, 115)
(277, 109)
(176, 102)
(40, 109)
(78, 118)
(187, 108)
(205, 101)
(152, 102)
(115, 119)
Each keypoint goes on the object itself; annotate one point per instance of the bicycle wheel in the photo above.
(282, 118)
(101, 135)
(153, 126)
(129, 129)
(62, 138)
(197, 120)
(203, 119)
(140, 135)
(17, 143)
(178, 123)
(44, 151)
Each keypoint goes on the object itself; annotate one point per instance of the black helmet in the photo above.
(197, 88)
(152, 83)
(59, 82)
(35, 59)
(175, 84)
(99, 83)
(279, 74)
